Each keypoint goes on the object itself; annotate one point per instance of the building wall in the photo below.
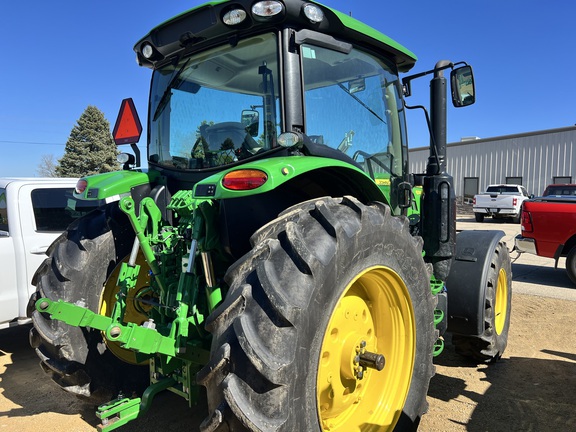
(537, 157)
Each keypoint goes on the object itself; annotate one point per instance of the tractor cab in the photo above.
(261, 81)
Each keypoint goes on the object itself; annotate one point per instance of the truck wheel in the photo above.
(490, 345)
(332, 291)
(571, 265)
(479, 217)
(78, 266)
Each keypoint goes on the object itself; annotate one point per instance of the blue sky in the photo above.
(60, 57)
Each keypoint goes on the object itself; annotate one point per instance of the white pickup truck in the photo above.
(33, 213)
(500, 201)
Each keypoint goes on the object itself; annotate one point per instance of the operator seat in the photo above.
(230, 135)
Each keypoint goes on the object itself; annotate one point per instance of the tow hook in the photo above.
(366, 359)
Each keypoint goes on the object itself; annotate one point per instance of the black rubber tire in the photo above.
(268, 333)
(571, 265)
(490, 345)
(479, 217)
(78, 264)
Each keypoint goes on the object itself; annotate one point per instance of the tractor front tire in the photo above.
(332, 291)
(78, 265)
(490, 345)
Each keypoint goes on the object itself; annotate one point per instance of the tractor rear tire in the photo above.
(78, 265)
(326, 280)
(490, 345)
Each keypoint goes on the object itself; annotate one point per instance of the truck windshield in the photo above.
(353, 104)
(217, 107)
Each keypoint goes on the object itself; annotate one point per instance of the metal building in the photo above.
(533, 159)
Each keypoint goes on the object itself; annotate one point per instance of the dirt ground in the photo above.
(531, 389)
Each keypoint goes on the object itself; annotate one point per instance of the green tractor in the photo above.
(276, 259)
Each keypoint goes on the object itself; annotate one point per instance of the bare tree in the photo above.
(47, 166)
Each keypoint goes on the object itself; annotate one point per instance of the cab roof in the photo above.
(167, 37)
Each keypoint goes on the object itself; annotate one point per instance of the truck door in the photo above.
(8, 288)
(46, 211)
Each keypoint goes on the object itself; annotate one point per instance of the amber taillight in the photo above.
(245, 179)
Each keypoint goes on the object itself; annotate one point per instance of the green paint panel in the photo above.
(106, 185)
(278, 171)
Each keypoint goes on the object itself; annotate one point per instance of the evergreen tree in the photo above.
(90, 148)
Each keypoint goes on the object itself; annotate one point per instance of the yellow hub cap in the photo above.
(374, 316)
(135, 310)
(501, 301)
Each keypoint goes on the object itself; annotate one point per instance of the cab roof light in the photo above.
(150, 53)
(147, 50)
(234, 17)
(267, 8)
(313, 13)
(244, 179)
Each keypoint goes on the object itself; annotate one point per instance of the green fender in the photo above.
(279, 171)
(112, 184)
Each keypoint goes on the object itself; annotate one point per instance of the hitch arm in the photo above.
(123, 410)
(131, 336)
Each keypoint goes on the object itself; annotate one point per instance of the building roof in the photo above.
(504, 137)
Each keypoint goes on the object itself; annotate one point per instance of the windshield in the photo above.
(353, 104)
(217, 107)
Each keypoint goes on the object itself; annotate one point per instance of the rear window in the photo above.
(560, 190)
(503, 189)
(56, 208)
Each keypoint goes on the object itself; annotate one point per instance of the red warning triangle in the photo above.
(128, 128)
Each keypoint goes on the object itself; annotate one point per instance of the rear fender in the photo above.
(324, 175)
(467, 281)
(289, 181)
(565, 248)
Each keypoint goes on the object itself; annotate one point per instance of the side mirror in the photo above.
(251, 119)
(462, 83)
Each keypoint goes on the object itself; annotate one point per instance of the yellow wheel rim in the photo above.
(133, 313)
(501, 301)
(375, 315)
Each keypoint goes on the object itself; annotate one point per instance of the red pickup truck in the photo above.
(549, 230)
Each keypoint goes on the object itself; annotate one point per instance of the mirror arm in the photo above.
(136, 150)
(406, 80)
